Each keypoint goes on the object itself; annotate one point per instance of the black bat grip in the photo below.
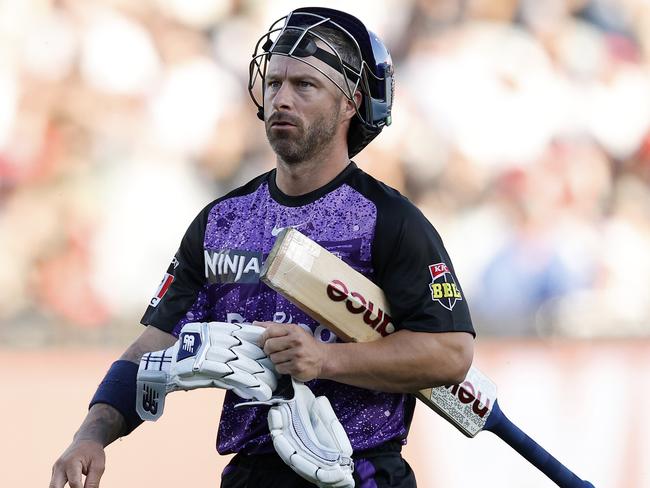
(500, 425)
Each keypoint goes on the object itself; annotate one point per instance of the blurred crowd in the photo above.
(521, 129)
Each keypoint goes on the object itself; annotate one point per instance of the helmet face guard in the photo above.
(296, 35)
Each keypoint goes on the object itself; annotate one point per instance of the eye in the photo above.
(305, 84)
(273, 84)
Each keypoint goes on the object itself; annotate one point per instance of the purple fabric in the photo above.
(196, 313)
(343, 221)
(365, 470)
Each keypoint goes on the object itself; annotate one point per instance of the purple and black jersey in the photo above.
(214, 276)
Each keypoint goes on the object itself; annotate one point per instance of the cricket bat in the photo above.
(356, 310)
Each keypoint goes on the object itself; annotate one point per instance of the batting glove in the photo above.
(309, 438)
(213, 354)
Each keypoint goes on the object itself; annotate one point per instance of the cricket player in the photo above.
(323, 85)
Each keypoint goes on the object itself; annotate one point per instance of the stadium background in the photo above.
(521, 129)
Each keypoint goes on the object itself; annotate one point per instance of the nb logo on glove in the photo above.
(191, 342)
(206, 355)
(150, 400)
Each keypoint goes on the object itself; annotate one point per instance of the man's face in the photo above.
(302, 108)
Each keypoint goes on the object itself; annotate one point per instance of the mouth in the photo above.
(282, 125)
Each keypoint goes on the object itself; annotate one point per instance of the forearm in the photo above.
(403, 362)
(151, 339)
(112, 414)
(103, 424)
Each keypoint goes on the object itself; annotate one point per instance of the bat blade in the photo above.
(356, 310)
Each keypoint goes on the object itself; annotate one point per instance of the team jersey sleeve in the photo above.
(413, 268)
(180, 297)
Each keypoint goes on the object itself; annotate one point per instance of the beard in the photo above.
(302, 143)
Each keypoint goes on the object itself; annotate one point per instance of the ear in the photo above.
(350, 108)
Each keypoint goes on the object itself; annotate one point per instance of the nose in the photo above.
(282, 98)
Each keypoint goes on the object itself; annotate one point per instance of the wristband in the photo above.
(118, 389)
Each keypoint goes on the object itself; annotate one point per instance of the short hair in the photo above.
(345, 47)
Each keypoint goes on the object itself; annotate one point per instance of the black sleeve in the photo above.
(416, 273)
(185, 277)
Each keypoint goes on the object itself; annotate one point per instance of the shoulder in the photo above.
(248, 188)
(241, 191)
(392, 206)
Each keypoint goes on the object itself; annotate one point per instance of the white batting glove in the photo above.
(208, 354)
(309, 438)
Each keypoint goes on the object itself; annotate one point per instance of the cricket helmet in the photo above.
(295, 35)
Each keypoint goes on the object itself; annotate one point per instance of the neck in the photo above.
(305, 176)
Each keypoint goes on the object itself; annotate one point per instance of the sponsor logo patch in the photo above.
(232, 266)
(162, 289)
(443, 286)
(190, 343)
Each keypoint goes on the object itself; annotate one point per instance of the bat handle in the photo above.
(500, 425)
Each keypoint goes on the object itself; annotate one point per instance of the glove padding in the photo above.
(309, 438)
(212, 354)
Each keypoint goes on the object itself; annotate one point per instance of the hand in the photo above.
(293, 350)
(309, 438)
(212, 354)
(81, 457)
(319, 450)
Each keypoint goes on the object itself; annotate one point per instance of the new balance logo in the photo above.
(188, 343)
(232, 266)
(150, 400)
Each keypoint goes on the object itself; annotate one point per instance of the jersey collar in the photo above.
(312, 196)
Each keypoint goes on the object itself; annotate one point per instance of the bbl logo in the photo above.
(443, 286)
